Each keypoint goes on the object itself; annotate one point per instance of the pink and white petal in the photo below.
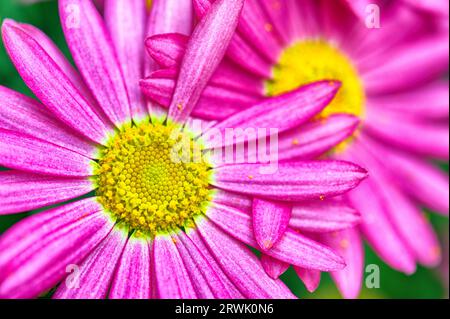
(430, 139)
(21, 192)
(286, 111)
(396, 73)
(313, 139)
(24, 115)
(51, 84)
(323, 216)
(93, 52)
(241, 265)
(26, 153)
(310, 277)
(230, 288)
(96, 272)
(126, 22)
(205, 280)
(273, 267)
(293, 248)
(348, 244)
(203, 56)
(270, 221)
(426, 102)
(171, 276)
(38, 251)
(132, 279)
(292, 181)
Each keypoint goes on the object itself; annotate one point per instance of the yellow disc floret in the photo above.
(151, 178)
(313, 60)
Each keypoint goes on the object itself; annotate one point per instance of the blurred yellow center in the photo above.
(153, 178)
(314, 60)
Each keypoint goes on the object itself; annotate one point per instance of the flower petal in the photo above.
(21, 192)
(132, 279)
(270, 221)
(29, 154)
(241, 265)
(310, 277)
(203, 56)
(97, 270)
(93, 52)
(273, 267)
(38, 251)
(293, 181)
(50, 83)
(172, 278)
(293, 248)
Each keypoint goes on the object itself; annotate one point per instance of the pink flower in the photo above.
(390, 81)
(149, 226)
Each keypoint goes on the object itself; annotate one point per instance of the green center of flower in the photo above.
(153, 178)
(308, 61)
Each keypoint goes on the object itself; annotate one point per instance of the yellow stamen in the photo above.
(146, 181)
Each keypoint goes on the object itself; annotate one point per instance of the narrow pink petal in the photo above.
(286, 111)
(310, 277)
(293, 248)
(50, 83)
(132, 279)
(273, 267)
(241, 202)
(203, 56)
(38, 251)
(97, 270)
(230, 288)
(22, 114)
(172, 278)
(438, 7)
(430, 139)
(313, 139)
(397, 74)
(241, 265)
(348, 244)
(29, 154)
(359, 6)
(206, 282)
(292, 181)
(276, 12)
(93, 52)
(126, 22)
(270, 221)
(323, 216)
(21, 192)
(167, 49)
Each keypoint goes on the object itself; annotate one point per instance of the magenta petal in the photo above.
(97, 270)
(22, 114)
(37, 252)
(293, 248)
(167, 49)
(32, 155)
(51, 84)
(241, 265)
(126, 22)
(93, 52)
(171, 276)
(310, 277)
(348, 244)
(241, 202)
(20, 192)
(323, 216)
(273, 267)
(270, 221)
(132, 279)
(293, 181)
(202, 57)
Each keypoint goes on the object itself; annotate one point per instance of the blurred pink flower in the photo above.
(391, 80)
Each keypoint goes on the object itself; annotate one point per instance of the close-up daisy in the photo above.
(391, 58)
(133, 201)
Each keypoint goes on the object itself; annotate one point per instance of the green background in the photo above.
(425, 283)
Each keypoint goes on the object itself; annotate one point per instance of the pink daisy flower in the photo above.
(390, 81)
(150, 226)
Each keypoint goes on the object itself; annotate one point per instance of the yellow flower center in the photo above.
(153, 178)
(313, 60)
